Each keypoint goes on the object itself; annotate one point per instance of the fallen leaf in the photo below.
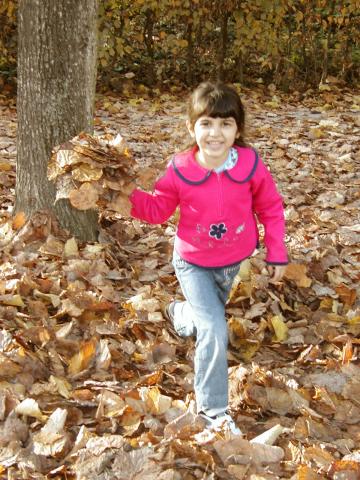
(71, 248)
(13, 300)
(82, 359)
(52, 440)
(84, 198)
(297, 273)
(30, 408)
(86, 173)
(280, 328)
(19, 220)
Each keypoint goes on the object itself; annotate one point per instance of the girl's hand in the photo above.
(128, 188)
(122, 205)
(277, 272)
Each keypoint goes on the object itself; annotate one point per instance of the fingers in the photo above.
(277, 273)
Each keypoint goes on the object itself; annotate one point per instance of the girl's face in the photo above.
(214, 137)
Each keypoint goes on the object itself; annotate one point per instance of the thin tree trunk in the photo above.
(149, 42)
(56, 91)
(325, 64)
(189, 54)
(223, 45)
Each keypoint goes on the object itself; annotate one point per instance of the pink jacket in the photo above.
(218, 211)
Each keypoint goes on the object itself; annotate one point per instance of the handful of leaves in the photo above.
(97, 173)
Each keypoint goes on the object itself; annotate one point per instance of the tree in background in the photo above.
(56, 92)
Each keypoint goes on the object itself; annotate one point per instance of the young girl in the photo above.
(222, 188)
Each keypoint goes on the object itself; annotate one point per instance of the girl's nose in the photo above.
(215, 129)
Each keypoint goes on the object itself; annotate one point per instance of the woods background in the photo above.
(295, 44)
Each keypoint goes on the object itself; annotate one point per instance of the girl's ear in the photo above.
(190, 128)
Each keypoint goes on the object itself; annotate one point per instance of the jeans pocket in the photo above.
(178, 262)
(229, 273)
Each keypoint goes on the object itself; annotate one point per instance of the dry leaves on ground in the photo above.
(94, 382)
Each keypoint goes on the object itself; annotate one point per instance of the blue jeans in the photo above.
(202, 314)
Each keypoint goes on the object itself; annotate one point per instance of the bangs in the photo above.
(218, 106)
(217, 100)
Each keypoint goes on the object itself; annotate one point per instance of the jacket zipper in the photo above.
(220, 197)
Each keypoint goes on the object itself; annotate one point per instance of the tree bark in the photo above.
(56, 91)
(149, 42)
(223, 45)
(189, 53)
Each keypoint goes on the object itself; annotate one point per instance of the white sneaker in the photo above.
(214, 425)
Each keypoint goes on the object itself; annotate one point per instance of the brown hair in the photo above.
(217, 100)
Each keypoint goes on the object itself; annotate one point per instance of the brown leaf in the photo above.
(121, 204)
(259, 454)
(347, 352)
(297, 273)
(347, 295)
(84, 198)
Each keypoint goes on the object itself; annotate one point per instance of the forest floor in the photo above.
(93, 381)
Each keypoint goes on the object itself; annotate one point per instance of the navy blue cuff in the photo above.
(278, 263)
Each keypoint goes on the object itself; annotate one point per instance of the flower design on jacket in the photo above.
(218, 230)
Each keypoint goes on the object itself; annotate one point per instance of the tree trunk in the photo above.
(223, 45)
(149, 42)
(189, 54)
(55, 102)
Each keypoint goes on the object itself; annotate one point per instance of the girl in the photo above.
(222, 188)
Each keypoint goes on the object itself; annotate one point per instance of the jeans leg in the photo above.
(205, 313)
(184, 321)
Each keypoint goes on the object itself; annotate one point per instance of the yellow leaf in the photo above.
(248, 350)
(86, 173)
(272, 104)
(138, 357)
(134, 102)
(5, 167)
(326, 303)
(82, 359)
(13, 300)
(156, 403)
(354, 320)
(280, 328)
(134, 442)
(316, 133)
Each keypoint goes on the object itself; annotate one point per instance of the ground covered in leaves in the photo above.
(93, 381)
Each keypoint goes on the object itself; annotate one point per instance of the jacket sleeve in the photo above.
(268, 206)
(158, 206)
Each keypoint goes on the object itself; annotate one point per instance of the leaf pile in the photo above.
(96, 172)
(94, 382)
